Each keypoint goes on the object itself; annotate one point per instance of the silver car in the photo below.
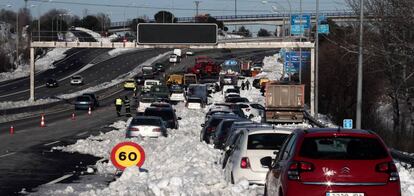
(146, 126)
(76, 80)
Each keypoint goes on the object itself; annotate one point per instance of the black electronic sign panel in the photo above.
(177, 33)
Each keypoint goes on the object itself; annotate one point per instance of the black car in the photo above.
(256, 83)
(222, 131)
(94, 97)
(167, 114)
(159, 67)
(84, 102)
(139, 80)
(51, 82)
(210, 126)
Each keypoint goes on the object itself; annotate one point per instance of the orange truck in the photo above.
(284, 103)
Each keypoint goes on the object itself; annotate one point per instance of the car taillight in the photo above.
(296, 167)
(390, 168)
(211, 129)
(156, 130)
(133, 129)
(244, 163)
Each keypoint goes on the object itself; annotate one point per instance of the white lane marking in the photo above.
(59, 179)
(5, 155)
(51, 143)
(83, 133)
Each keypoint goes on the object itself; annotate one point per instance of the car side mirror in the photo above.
(266, 162)
(179, 118)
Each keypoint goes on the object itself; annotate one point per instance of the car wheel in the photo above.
(251, 116)
(232, 178)
(265, 190)
(201, 136)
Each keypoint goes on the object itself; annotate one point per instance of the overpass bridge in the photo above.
(268, 19)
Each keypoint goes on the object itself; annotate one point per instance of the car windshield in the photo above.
(146, 121)
(164, 114)
(232, 90)
(151, 83)
(192, 100)
(340, 148)
(266, 141)
(147, 100)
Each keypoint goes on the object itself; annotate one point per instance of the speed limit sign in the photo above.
(126, 154)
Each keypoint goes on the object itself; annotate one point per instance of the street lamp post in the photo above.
(360, 70)
(290, 13)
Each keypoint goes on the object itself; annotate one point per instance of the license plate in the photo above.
(344, 194)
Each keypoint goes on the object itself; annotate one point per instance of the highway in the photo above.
(26, 160)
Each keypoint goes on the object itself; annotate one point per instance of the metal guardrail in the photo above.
(397, 155)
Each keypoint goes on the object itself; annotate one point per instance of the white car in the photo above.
(252, 110)
(149, 83)
(146, 126)
(173, 58)
(251, 145)
(144, 103)
(177, 96)
(189, 53)
(194, 103)
(76, 80)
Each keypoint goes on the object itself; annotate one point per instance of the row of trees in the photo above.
(388, 69)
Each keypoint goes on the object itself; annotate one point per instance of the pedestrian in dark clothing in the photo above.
(118, 104)
(242, 85)
(247, 84)
(127, 107)
(263, 89)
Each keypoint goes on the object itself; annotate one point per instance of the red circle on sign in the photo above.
(115, 149)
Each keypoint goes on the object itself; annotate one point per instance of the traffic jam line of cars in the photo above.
(285, 160)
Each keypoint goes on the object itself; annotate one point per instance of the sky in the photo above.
(121, 10)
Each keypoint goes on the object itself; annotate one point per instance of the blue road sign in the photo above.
(297, 19)
(295, 56)
(323, 29)
(347, 124)
(292, 67)
(296, 30)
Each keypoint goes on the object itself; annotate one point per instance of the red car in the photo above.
(332, 162)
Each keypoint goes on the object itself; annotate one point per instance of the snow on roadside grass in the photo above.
(176, 165)
(406, 178)
(42, 64)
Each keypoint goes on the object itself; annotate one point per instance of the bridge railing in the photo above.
(251, 16)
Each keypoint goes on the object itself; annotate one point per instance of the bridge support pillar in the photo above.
(32, 70)
(312, 83)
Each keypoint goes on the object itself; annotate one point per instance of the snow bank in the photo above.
(406, 178)
(272, 68)
(96, 35)
(177, 165)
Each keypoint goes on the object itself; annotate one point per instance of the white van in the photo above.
(149, 83)
(178, 52)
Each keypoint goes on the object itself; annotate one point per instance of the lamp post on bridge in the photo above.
(290, 13)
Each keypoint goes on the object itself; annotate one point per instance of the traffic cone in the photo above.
(89, 111)
(11, 130)
(42, 121)
(73, 116)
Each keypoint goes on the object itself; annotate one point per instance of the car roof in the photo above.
(228, 116)
(160, 108)
(147, 117)
(315, 132)
(258, 130)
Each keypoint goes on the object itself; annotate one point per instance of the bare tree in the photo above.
(392, 21)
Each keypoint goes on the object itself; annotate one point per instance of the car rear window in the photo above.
(266, 141)
(339, 148)
(164, 114)
(83, 98)
(146, 121)
(194, 100)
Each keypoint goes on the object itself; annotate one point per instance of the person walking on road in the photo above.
(242, 85)
(247, 84)
(127, 107)
(118, 105)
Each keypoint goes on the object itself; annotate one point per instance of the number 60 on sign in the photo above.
(127, 154)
